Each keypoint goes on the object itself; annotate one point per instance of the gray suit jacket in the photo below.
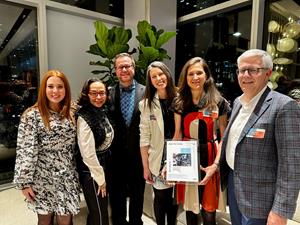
(266, 170)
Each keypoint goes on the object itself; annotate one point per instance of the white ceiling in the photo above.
(287, 8)
(8, 16)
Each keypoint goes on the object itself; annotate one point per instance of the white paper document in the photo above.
(182, 161)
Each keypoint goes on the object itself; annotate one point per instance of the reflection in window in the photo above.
(109, 7)
(219, 40)
(185, 7)
(18, 78)
(282, 41)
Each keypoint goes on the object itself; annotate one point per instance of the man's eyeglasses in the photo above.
(126, 67)
(94, 94)
(251, 71)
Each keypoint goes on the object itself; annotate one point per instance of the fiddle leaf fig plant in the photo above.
(150, 47)
(109, 43)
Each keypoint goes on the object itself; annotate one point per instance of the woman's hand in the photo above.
(209, 172)
(28, 193)
(148, 176)
(102, 190)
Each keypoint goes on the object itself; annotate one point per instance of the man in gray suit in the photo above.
(260, 160)
(127, 169)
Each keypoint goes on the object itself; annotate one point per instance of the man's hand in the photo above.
(209, 172)
(275, 219)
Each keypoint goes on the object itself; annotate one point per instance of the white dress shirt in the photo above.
(86, 144)
(238, 125)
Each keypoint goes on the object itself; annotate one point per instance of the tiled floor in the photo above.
(13, 211)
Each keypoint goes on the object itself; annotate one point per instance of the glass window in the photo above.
(219, 40)
(282, 41)
(185, 7)
(109, 7)
(18, 77)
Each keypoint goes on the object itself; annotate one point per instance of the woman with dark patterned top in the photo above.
(157, 125)
(45, 167)
(199, 110)
(95, 135)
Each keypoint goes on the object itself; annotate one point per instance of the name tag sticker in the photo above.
(256, 133)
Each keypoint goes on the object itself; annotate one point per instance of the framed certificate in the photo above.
(182, 161)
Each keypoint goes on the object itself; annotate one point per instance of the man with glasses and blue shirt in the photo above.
(260, 159)
(127, 168)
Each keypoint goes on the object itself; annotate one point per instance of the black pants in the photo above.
(164, 205)
(120, 190)
(97, 206)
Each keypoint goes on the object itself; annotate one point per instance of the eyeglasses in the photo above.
(95, 94)
(126, 67)
(251, 71)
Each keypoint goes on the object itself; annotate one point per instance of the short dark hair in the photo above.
(84, 98)
(124, 54)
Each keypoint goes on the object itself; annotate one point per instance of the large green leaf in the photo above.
(142, 28)
(101, 35)
(164, 38)
(99, 71)
(95, 50)
(150, 54)
(163, 54)
(152, 38)
(107, 63)
(115, 49)
(122, 36)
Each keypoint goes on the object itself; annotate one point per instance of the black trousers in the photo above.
(121, 189)
(97, 206)
(164, 205)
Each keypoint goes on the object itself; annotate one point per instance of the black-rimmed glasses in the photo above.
(251, 71)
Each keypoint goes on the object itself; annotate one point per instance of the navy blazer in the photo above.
(126, 143)
(266, 170)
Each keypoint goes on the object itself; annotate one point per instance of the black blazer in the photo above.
(126, 144)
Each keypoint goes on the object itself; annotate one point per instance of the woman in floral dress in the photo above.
(45, 168)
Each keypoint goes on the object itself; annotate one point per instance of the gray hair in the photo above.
(265, 57)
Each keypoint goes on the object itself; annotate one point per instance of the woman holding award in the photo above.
(198, 107)
(157, 125)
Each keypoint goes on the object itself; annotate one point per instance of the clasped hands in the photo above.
(102, 190)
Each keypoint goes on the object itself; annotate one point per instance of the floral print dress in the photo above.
(45, 161)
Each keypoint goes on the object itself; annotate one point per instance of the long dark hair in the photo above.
(151, 90)
(211, 93)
